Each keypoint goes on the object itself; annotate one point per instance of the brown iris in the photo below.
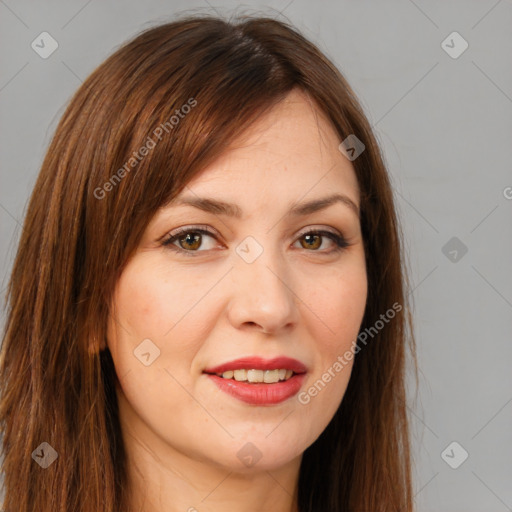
(312, 241)
(193, 240)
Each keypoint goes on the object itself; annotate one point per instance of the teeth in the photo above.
(271, 376)
(256, 376)
(240, 375)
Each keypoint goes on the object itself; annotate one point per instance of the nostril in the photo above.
(252, 325)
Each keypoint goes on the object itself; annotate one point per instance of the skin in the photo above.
(182, 434)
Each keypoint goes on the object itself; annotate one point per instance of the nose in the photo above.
(262, 295)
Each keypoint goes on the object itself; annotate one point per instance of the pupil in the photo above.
(312, 240)
(192, 240)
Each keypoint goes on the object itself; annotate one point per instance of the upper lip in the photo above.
(259, 363)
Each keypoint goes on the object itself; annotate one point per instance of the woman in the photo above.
(207, 307)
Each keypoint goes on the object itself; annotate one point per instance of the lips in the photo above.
(259, 393)
(258, 363)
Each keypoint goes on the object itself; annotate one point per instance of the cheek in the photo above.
(176, 317)
(142, 306)
(148, 308)
(152, 301)
(338, 303)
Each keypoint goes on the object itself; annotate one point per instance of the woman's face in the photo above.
(253, 285)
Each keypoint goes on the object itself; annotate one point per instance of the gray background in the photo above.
(445, 125)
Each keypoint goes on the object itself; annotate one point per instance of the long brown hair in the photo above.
(86, 217)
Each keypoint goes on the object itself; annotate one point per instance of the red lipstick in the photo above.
(260, 393)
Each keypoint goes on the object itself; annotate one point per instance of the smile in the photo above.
(257, 381)
(266, 376)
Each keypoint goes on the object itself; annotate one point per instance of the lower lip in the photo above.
(260, 394)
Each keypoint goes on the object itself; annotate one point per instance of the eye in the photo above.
(188, 240)
(313, 240)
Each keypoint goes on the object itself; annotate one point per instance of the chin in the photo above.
(266, 450)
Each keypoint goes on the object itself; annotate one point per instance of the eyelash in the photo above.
(339, 241)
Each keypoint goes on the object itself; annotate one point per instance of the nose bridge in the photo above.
(262, 293)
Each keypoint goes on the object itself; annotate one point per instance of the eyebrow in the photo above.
(233, 210)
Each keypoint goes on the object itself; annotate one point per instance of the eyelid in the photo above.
(318, 229)
(201, 228)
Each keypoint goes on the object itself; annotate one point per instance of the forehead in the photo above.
(290, 151)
